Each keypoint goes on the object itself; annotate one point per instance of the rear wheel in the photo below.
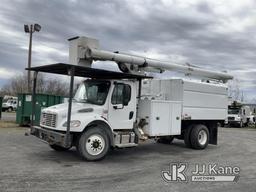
(199, 137)
(93, 144)
(59, 148)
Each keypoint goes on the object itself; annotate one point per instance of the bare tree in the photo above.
(234, 90)
(57, 87)
(18, 84)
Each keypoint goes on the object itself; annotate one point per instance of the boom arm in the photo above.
(137, 64)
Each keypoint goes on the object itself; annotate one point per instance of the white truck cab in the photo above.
(239, 116)
(9, 104)
(110, 101)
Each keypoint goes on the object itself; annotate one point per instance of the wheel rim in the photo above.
(95, 144)
(202, 137)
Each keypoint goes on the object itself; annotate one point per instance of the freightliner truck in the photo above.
(238, 114)
(122, 109)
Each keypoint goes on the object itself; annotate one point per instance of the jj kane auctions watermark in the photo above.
(178, 172)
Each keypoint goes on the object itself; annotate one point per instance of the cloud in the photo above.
(218, 35)
(6, 74)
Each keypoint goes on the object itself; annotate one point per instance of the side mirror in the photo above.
(118, 106)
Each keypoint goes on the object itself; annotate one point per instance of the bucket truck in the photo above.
(123, 109)
(238, 114)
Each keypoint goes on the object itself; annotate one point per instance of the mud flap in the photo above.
(213, 130)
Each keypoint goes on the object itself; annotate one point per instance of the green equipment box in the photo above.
(24, 108)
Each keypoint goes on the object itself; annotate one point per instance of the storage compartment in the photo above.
(200, 100)
(162, 117)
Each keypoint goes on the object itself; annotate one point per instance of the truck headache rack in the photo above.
(65, 139)
(81, 71)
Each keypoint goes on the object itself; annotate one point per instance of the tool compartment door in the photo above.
(165, 118)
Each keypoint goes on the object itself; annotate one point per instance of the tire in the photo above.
(166, 140)
(199, 137)
(241, 124)
(10, 109)
(187, 136)
(93, 144)
(59, 148)
(250, 124)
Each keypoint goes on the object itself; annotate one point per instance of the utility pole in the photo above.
(30, 29)
(29, 57)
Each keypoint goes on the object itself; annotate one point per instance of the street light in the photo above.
(30, 29)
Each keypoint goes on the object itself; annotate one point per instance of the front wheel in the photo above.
(10, 109)
(93, 144)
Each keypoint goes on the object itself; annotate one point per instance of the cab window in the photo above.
(121, 94)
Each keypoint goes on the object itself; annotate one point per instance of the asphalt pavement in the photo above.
(27, 164)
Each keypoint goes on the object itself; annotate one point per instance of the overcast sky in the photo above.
(219, 35)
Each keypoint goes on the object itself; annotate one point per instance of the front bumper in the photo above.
(52, 137)
(234, 122)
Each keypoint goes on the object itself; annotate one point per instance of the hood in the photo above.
(5, 104)
(76, 107)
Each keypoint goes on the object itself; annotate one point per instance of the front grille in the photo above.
(231, 118)
(48, 119)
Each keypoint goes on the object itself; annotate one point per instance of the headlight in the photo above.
(73, 123)
(238, 118)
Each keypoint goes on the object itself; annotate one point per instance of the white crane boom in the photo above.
(88, 50)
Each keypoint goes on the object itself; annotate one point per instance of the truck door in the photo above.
(122, 106)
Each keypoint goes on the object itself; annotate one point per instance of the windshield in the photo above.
(233, 111)
(8, 101)
(94, 92)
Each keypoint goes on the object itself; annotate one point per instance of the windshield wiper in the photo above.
(83, 100)
(79, 101)
(74, 100)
